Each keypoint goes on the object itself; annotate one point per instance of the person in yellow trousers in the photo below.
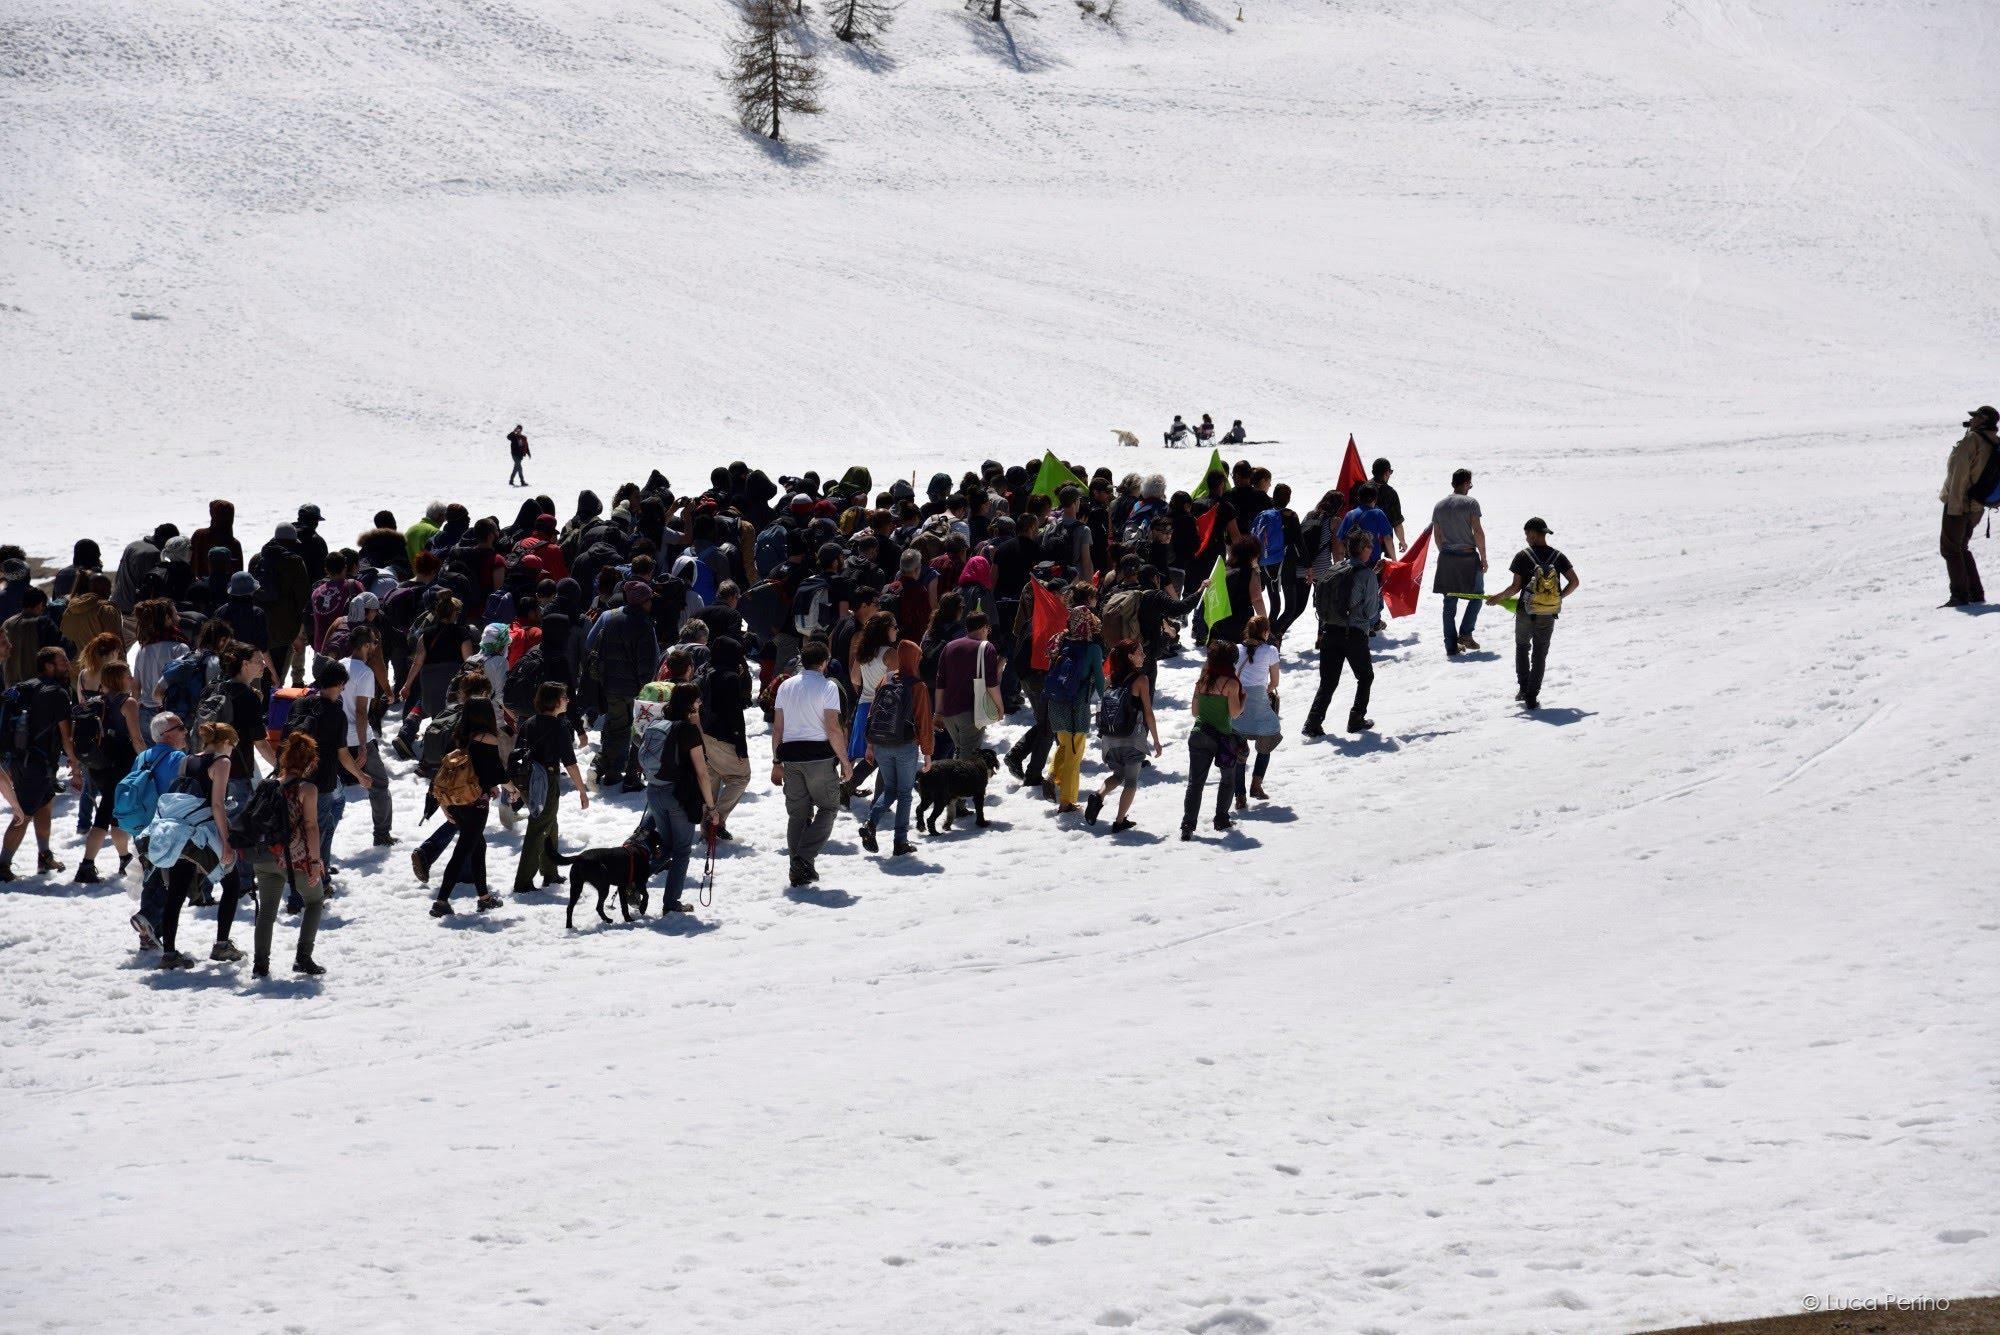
(1074, 681)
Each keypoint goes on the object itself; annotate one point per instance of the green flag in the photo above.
(1215, 604)
(1214, 463)
(1052, 476)
(1511, 604)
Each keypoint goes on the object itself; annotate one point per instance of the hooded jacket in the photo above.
(138, 561)
(1967, 462)
(284, 588)
(89, 616)
(221, 532)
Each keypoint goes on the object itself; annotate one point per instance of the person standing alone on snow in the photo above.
(517, 445)
(1971, 479)
(1544, 578)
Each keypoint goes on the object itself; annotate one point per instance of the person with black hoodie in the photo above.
(85, 559)
(312, 547)
(220, 532)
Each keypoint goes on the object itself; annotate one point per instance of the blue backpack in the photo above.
(182, 683)
(137, 797)
(1065, 679)
(774, 547)
(1269, 528)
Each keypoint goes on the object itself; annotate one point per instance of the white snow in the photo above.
(1674, 1003)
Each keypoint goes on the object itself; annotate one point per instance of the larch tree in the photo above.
(861, 20)
(769, 72)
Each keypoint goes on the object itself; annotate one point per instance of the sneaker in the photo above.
(1123, 824)
(1452, 651)
(147, 939)
(173, 959)
(86, 873)
(420, 864)
(304, 964)
(1520, 692)
(1093, 808)
(868, 839)
(123, 863)
(440, 908)
(723, 836)
(225, 952)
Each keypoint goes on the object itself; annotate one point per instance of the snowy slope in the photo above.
(1675, 1003)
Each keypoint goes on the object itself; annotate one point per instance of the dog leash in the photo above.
(707, 893)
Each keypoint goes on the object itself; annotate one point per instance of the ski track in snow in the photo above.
(1673, 1002)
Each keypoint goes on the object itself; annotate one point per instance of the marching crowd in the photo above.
(214, 704)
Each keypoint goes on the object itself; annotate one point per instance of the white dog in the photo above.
(1125, 438)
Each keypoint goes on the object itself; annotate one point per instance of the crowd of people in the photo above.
(213, 704)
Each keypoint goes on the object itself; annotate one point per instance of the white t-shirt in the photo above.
(360, 691)
(149, 664)
(1256, 667)
(805, 700)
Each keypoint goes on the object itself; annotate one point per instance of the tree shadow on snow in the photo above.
(1196, 12)
(866, 55)
(825, 899)
(997, 40)
(784, 153)
(1559, 718)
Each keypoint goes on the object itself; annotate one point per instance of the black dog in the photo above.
(948, 782)
(624, 868)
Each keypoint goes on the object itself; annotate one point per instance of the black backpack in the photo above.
(892, 718)
(86, 728)
(1117, 712)
(1984, 487)
(522, 680)
(306, 714)
(214, 707)
(1058, 542)
(436, 742)
(266, 819)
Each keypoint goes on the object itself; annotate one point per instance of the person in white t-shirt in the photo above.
(805, 723)
(1257, 670)
(362, 688)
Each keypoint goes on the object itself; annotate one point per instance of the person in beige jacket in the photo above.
(91, 612)
(1961, 512)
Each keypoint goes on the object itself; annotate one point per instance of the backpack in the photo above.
(1985, 489)
(1058, 542)
(455, 784)
(1121, 618)
(435, 745)
(1065, 679)
(305, 715)
(1117, 712)
(812, 607)
(86, 729)
(266, 819)
(137, 796)
(14, 722)
(1269, 528)
(278, 713)
(183, 682)
(1541, 592)
(699, 572)
(773, 549)
(213, 707)
(892, 719)
(1332, 597)
(522, 680)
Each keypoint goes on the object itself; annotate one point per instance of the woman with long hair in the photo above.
(1258, 725)
(873, 658)
(478, 735)
(1245, 581)
(104, 647)
(109, 761)
(442, 648)
(1218, 699)
(295, 863)
(1125, 751)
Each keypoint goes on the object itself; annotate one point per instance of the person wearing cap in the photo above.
(247, 620)
(1544, 579)
(1969, 478)
(626, 650)
(312, 547)
(33, 768)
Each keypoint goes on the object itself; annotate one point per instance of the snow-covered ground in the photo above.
(1674, 1002)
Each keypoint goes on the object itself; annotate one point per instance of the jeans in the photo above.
(1459, 628)
(897, 784)
(812, 802)
(435, 841)
(677, 835)
(517, 477)
(1954, 544)
(468, 855)
(1337, 645)
(1531, 651)
(1202, 754)
(332, 801)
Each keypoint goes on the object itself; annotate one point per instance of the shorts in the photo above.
(1124, 758)
(104, 786)
(34, 778)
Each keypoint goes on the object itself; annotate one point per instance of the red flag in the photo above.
(1051, 616)
(1352, 474)
(1204, 528)
(1403, 580)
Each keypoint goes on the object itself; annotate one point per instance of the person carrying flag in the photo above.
(1544, 579)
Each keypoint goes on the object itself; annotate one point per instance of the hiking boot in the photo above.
(1520, 692)
(260, 969)
(1531, 703)
(383, 839)
(1312, 730)
(868, 839)
(1224, 823)
(1092, 808)
(1187, 834)
(1466, 642)
(440, 908)
(551, 882)
(1014, 766)
(86, 873)
(723, 836)
(6, 872)
(488, 902)
(147, 939)
(1123, 824)
(402, 749)
(1048, 790)
(420, 864)
(903, 849)
(1243, 801)
(1360, 724)
(1257, 790)
(225, 952)
(123, 863)
(45, 862)
(173, 959)
(304, 964)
